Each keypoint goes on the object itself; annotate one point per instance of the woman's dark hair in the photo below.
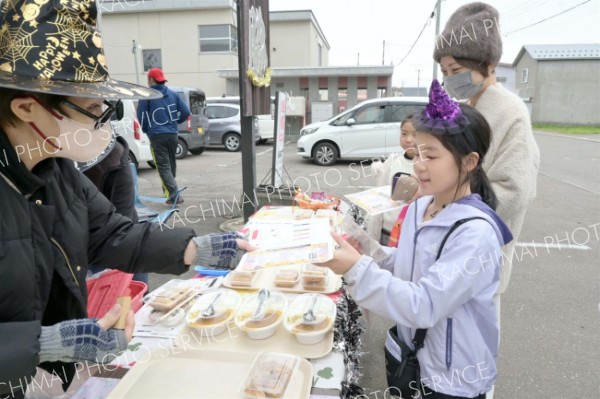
(481, 67)
(7, 117)
(459, 146)
(407, 118)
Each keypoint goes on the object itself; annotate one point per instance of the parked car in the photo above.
(266, 123)
(369, 129)
(225, 125)
(192, 133)
(125, 123)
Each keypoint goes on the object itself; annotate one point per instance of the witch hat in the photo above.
(53, 46)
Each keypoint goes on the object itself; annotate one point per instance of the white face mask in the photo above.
(78, 141)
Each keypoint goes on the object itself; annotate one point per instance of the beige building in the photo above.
(190, 40)
(195, 43)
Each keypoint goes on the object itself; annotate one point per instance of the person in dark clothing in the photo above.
(160, 118)
(53, 220)
(112, 176)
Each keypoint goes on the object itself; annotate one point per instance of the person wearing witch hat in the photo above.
(56, 98)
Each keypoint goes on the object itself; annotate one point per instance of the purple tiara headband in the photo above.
(442, 115)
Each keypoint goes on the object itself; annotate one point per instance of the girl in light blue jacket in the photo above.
(444, 274)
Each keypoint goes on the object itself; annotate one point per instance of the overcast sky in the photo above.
(359, 26)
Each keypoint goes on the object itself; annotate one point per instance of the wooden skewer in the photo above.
(125, 302)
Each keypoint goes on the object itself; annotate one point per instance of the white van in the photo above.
(125, 123)
(370, 129)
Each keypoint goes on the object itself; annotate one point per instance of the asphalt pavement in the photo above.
(550, 337)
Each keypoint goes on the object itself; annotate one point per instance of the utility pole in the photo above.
(418, 81)
(383, 54)
(358, 59)
(438, 11)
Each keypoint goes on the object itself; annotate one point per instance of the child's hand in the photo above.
(343, 258)
(355, 244)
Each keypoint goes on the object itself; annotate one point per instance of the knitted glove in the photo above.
(218, 250)
(80, 340)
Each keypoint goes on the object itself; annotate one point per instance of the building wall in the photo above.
(180, 47)
(566, 92)
(506, 75)
(290, 39)
(526, 89)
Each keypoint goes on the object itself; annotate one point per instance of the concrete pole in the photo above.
(135, 59)
(438, 11)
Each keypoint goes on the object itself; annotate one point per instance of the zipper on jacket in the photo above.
(62, 251)
(448, 343)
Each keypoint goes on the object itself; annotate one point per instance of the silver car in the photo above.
(225, 126)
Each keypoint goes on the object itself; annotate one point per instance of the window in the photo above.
(220, 112)
(218, 38)
(524, 75)
(398, 112)
(152, 59)
(501, 79)
(369, 115)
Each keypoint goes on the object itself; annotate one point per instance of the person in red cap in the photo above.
(159, 119)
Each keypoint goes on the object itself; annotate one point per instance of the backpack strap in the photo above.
(420, 334)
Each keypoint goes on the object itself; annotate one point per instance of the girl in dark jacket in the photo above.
(53, 220)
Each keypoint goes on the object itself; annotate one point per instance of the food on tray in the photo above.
(270, 376)
(286, 278)
(213, 311)
(241, 278)
(169, 297)
(300, 326)
(268, 318)
(314, 278)
(198, 320)
(310, 317)
(260, 314)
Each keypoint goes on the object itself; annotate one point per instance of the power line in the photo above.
(546, 19)
(427, 22)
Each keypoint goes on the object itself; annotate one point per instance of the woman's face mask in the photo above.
(461, 86)
(81, 142)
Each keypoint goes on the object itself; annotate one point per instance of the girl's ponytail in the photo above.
(481, 185)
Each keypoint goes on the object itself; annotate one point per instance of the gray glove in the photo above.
(218, 250)
(80, 340)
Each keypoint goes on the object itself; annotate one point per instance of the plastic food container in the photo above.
(314, 278)
(239, 278)
(270, 376)
(263, 324)
(212, 312)
(310, 329)
(170, 295)
(286, 278)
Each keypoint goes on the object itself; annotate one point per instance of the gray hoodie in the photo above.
(452, 297)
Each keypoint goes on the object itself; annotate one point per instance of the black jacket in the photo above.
(53, 223)
(113, 178)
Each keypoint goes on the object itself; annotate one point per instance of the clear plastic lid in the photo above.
(269, 313)
(173, 293)
(286, 277)
(314, 278)
(310, 313)
(212, 309)
(239, 278)
(270, 376)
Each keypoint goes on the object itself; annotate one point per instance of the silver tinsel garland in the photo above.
(348, 333)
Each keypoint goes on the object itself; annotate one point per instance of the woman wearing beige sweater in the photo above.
(468, 51)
